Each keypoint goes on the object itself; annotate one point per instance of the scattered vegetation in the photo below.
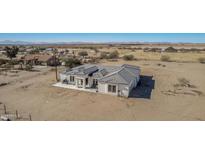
(103, 55)
(191, 50)
(165, 58)
(202, 60)
(28, 67)
(72, 62)
(128, 57)
(152, 50)
(96, 50)
(107, 55)
(83, 53)
(182, 82)
(3, 61)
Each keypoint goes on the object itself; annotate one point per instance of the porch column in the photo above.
(76, 82)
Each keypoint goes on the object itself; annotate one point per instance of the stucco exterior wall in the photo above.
(62, 77)
(123, 90)
(103, 88)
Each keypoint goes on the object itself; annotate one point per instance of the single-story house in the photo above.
(40, 59)
(114, 80)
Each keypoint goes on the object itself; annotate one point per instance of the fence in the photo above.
(13, 115)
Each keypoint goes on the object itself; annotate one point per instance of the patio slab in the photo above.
(61, 85)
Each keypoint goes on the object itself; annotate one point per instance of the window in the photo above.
(95, 81)
(86, 81)
(112, 88)
(72, 78)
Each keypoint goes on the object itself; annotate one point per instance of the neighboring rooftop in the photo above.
(39, 57)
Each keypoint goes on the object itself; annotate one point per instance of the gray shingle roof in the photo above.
(123, 76)
(82, 70)
(107, 74)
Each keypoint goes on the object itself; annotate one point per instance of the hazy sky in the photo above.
(105, 37)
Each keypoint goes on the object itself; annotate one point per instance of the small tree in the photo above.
(11, 52)
(83, 53)
(128, 57)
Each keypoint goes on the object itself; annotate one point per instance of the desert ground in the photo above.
(159, 96)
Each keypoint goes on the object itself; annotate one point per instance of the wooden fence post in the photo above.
(5, 109)
(17, 114)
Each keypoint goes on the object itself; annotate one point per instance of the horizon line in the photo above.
(93, 42)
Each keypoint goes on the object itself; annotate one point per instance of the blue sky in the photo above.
(105, 37)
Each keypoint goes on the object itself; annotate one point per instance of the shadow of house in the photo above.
(144, 88)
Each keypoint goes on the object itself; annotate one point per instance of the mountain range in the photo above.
(12, 42)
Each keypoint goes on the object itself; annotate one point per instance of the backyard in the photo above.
(168, 91)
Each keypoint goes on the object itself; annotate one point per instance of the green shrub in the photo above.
(128, 57)
(202, 60)
(165, 58)
(72, 62)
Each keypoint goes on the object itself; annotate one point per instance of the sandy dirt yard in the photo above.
(160, 96)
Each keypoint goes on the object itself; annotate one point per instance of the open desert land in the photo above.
(168, 91)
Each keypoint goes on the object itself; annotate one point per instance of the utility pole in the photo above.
(56, 69)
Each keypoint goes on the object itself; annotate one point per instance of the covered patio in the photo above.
(68, 86)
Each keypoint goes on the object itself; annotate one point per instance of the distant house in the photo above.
(47, 60)
(114, 80)
(40, 59)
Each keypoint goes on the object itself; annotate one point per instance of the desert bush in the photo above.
(165, 58)
(103, 55)
(113, 55)
(183, 82)
(29, 67)
(72, 62)
(3, 61)
(13, 62)
(152, 49)
(170, 49)
(128, 57)
(96, 50)
(202, 60)
(83, 53)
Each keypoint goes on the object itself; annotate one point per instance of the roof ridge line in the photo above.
(112, 73)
